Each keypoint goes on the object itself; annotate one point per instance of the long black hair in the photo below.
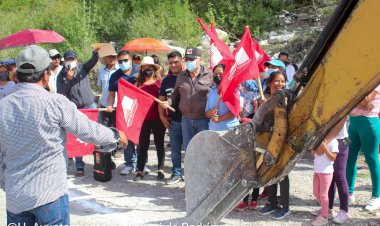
(270, 79)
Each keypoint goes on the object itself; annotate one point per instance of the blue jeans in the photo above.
(79, 164)
(130, 155)
(54, 213)
(175, 134)
(191, 127)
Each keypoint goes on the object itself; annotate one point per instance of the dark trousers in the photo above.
(158, 130)
(339, 178)
(255, 195)
(284, 193)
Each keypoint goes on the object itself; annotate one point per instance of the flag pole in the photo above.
(160, 102)
(260, 88)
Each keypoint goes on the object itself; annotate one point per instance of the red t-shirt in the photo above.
(154, 90)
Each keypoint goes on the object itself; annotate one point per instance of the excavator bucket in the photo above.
(341, 69)
(213, 182)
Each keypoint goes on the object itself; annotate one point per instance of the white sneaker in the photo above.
(351, 199)
(373, 204)
(127, 170)
(146, 170)
(341, 217)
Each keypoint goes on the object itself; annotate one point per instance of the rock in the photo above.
(322, 2)
(281, 38)
(272, 33)
(288, 21)
(282, 16)
(205, 39)
(263, 42)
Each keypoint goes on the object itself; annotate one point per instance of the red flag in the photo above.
(132, 106)
(261, 56)
(245, 66)
(215, 56)
(224, 51)
(74, 146)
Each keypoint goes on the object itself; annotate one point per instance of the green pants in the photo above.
(364, 133)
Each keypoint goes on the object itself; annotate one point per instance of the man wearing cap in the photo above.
(33, 160)
(73, 82)
(55, 68)
(190, 92)
(109, 66)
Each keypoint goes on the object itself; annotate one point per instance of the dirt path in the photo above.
(125, 202)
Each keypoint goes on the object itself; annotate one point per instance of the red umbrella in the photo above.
(30, 36)
(146, 45)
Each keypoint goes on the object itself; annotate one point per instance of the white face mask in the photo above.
(71, 64)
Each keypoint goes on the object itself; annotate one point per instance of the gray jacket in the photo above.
(78, 90)
(191, 95)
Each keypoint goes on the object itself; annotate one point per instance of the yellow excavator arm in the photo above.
(342, 67)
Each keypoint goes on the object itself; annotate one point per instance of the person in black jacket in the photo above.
(73, 83)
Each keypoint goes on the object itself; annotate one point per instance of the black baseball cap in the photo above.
(192, 53)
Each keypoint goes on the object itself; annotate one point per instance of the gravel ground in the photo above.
(150, 202)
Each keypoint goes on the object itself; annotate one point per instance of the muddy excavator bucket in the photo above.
(220, 169)
(214, 178)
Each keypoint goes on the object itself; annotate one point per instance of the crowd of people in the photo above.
(192, 90)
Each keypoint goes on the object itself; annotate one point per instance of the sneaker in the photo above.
(146, 170)
(263, 196)
(127, 170)
(173, 179)
(373, 204)
(160, 175)
(351, 199)
(318, 212)
(138, 177)
(341, 217)
(281, 213)
(320, 221)
(79, 173)
(242, 206)
(252, 205)
(268, 209)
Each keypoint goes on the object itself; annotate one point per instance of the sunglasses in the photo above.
(123, 61)
(55, 57)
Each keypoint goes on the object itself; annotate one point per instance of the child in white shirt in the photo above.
(323, 174)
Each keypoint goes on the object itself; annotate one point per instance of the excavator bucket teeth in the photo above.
(214, 170)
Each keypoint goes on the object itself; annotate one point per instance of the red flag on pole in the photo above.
(74, 146)
(221, 53)
(132, 106)
(245, 66)
(221, 47)
(261, 56)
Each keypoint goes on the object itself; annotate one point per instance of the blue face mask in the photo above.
(191, 65)
(125, 66)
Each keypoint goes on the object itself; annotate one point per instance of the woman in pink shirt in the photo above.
(364, 133)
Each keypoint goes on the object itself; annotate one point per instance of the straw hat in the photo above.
(106, 50)
(148, 61)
